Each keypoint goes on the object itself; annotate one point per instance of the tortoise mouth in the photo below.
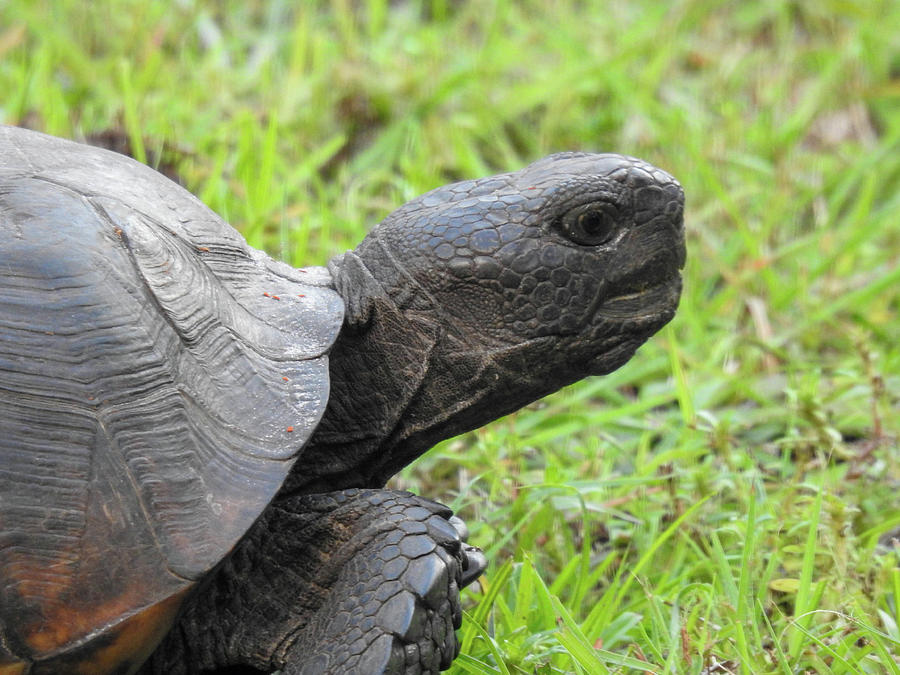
(651, 302)
(645, 301)
(638, 315)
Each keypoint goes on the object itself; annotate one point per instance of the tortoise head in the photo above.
(512, 286)
(577, 252)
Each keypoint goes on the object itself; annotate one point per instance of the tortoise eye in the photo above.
(590, 224)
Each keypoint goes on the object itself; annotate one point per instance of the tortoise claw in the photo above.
(474, 564)
(460, 526)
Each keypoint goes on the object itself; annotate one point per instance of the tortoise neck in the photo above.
(377, 367)
(403, 379)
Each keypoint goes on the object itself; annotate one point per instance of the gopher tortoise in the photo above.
(195, 438)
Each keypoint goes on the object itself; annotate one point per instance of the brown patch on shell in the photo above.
(121, 648)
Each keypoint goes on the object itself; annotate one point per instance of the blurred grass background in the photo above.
(728, 501)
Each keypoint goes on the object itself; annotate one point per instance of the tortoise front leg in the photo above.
(356, 581)
(394, 603)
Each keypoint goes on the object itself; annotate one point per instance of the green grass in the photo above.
(726, 502)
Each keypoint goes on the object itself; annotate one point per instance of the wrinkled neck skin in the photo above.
(403, 378)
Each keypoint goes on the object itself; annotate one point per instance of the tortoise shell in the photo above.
(158, 379)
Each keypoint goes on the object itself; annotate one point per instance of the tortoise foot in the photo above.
(393, 605)
(354, 581)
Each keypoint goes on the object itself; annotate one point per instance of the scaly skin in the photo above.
(463, 305)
